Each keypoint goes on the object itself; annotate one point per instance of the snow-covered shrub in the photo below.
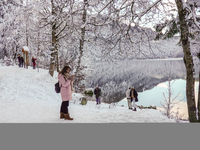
(77, 98)
(89, 92)
(8, 61)
(146, 107)
(112, 106)
(2, 62)
(177, 116)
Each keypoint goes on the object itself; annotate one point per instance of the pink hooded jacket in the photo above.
(65, 91)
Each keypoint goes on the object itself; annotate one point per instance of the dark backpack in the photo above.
(57, 87)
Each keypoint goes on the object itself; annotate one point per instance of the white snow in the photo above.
(26, 48)
(28, 96)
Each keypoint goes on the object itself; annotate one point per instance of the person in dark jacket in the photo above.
(20, 60)
(133, 95)
(97, 92)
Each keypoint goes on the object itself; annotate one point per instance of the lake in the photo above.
(149, 78)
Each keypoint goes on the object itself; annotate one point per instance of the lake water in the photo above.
(149, 78)
(155, 97)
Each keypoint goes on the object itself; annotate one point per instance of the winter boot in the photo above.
(134, 109)
(67, 117)
(62, 116)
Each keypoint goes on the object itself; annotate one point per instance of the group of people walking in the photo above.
(20, 60)
(66, 83)
(131, 95)
(22, 63)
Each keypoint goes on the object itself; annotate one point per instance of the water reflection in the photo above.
(144, 75)
(154, 96)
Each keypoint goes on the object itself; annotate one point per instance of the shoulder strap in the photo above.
(59, 83)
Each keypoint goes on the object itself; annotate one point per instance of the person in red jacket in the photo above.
(33, 61)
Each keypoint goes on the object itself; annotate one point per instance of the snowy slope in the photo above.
(28, 96)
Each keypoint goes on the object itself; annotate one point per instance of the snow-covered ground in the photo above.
(28, 96)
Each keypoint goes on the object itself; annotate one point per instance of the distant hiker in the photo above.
(33, 61)
(97, 92)
(22, 59)
(129, 98)
(66, 82)
(133, 95)
(19, 60)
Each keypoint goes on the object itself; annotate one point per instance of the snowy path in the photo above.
(6, 70)
(28, 96)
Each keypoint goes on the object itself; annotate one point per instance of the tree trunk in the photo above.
(26, 36)
(198, 103)
(188, 60)
(57, 60)
(15, 55)
(38, 52)
(81, 41)
(54, 45)
(199, 99)
(169, 99)
(53, 52)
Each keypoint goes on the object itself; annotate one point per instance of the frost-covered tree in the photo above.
(122, 28)
(6, 26)
(57, 17)
(170, 100)
(139, 14)
(187, 24)
(3, 10)
(18, 27)
(68, 30)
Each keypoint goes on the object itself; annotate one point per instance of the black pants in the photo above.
(64, 107)
(20, 63)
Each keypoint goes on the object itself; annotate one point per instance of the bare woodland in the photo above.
(60, 32)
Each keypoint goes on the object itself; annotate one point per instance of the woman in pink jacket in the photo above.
(66, 82)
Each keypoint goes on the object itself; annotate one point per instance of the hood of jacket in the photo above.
(59, 75)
